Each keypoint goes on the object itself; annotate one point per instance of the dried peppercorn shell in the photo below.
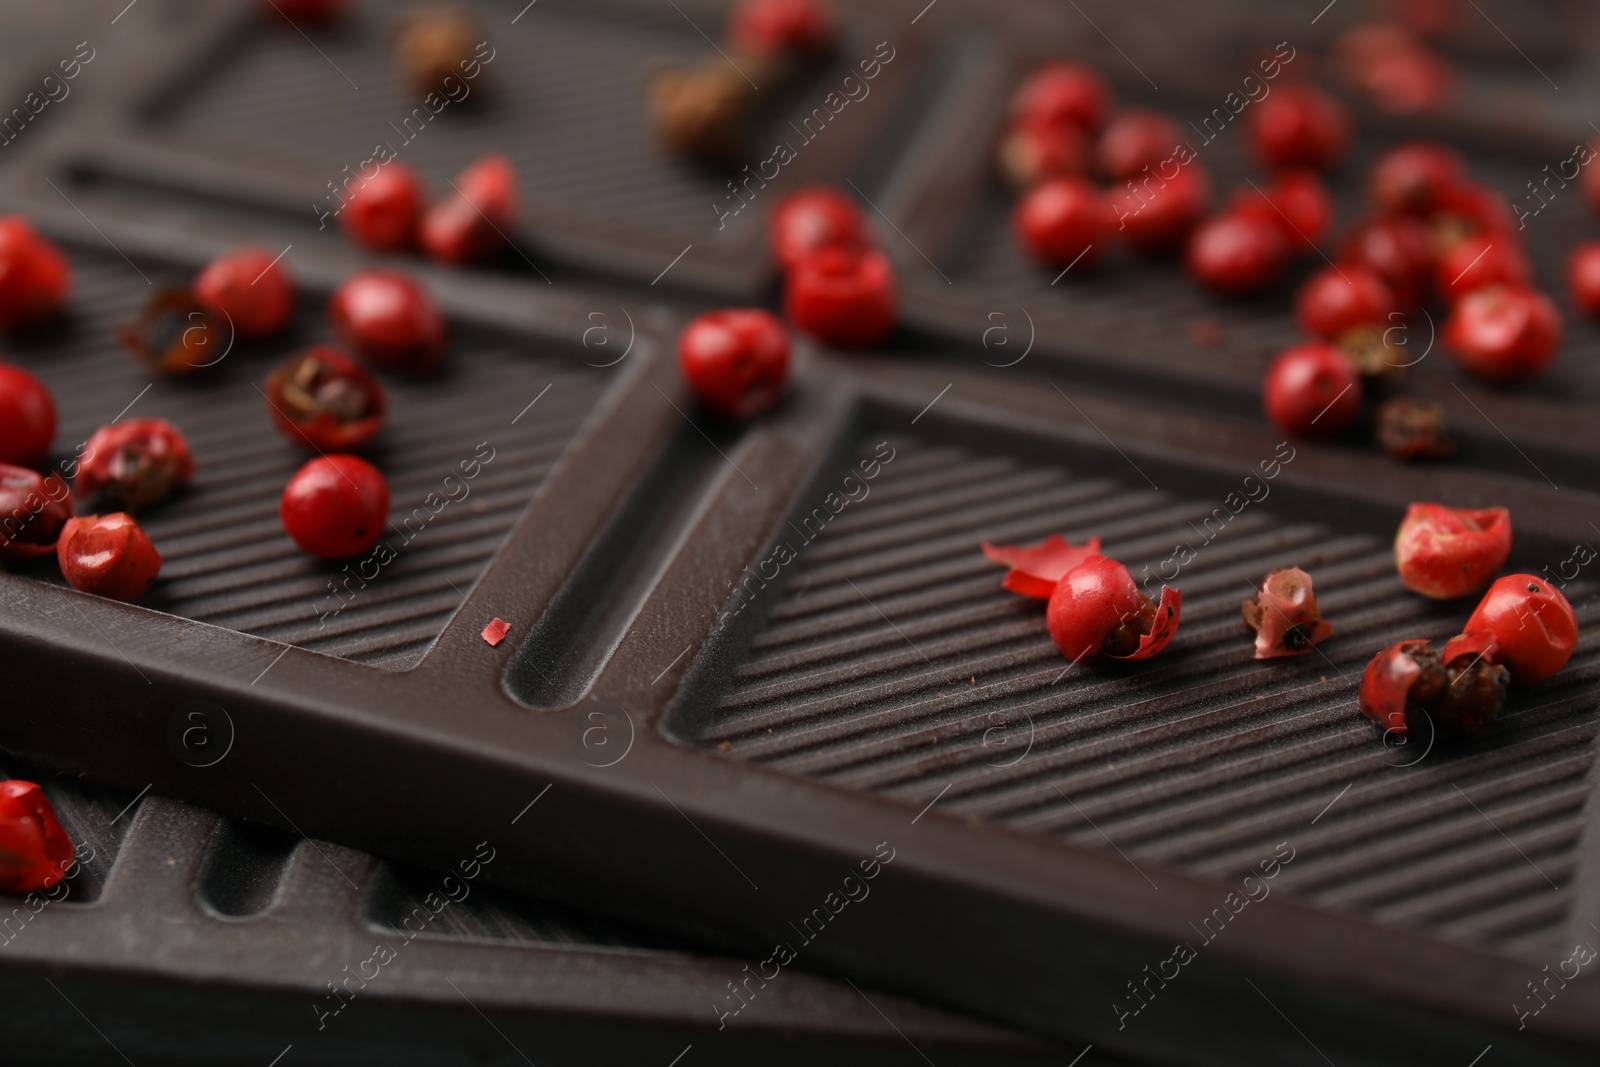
(33, 510)
(128, 466)
(35, 852)
(1443, 552)
(1413, 429)
(323, 398)
(1285, 616)
(1460, 690)
(173, 334)
(1035, 569)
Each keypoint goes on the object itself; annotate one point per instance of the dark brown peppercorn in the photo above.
(434, 44)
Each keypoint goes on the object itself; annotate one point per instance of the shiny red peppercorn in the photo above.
(1096, 609)
(1583, 277)
(1296, 201)
(1134, 141)
(34, 277)
(1155, 215)
(1410, 81)
(1336, 300)
(1398, 248)
(323, 398)
(473, 224)
(1032, 152)
(843, 296)
(1443, 552)
(27, 418)
(1503, 333)
(1312, 390)
(812, 218)
(107, 555)
(1237, 255)
(128, 466)
(174, 335)
(1061, 220)
(1061, 93)
(389, 320)
(1284, 615)
(384, 211)
(250, 288)
(736, 360)
(1478, 260)
(1534, 627)
(1411, 178)
(35, 852)
(33, 509)
(1460, 691)
(335, 506)
(1299, 125)
(771, 27)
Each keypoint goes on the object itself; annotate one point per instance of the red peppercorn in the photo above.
(843, 296)
(1339, 299)
(174, 335)
(1398, 248)
(27, 418)
(770, 27)
(1061, 93)
(1284, 615)
(1443, 552)
(389, 320)
(384, 211)
(34, 277)
(1135, 141)
(736, 360)
(473, 224)
(250, 289)
(1534, 627)
(1032, 152)
(1583, 277)
(107, 555)
(33, 509)
(35, 852)
(1460, 691)
(335, 506)
(1096, 609)
(1297, 202)
(1312, 390)
(323, 398)
(128, 466)
(1156, 215)
(1299, 125)
(812, 218)
(1410, 81)
(1504, 333)
(1478, 260)
(1060, 220)
(1237, 255)
(1410, 179)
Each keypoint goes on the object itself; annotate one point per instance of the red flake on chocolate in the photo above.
(1035, 569)
(496, 631)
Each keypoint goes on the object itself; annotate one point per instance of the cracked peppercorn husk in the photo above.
(1462, 694)
(1373, 354)
(173, 334)
(1413, 429)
